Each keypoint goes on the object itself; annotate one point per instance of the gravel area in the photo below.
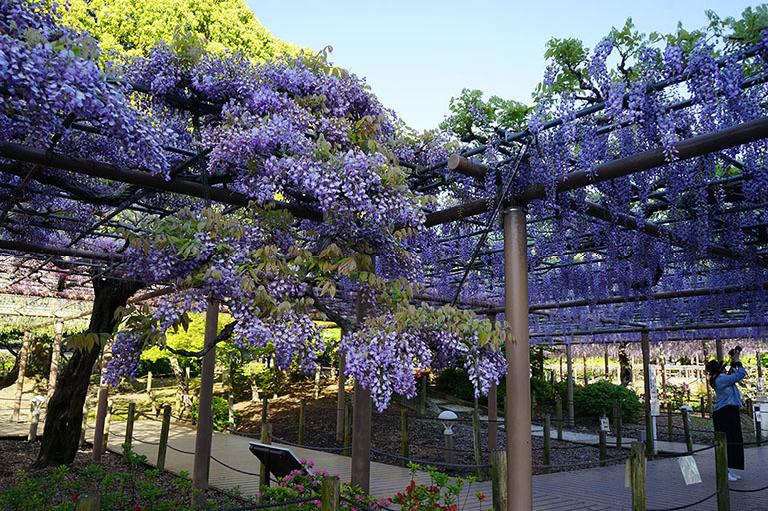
(425, 436)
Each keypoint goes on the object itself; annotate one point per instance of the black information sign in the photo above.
(279, 461)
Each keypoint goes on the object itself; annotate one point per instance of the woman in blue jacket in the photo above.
(725, 415)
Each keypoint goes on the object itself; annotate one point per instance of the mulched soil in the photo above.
(18, 456)
(426, 442)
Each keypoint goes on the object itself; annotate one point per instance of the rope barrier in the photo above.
(191, 453)
(427, 462)
(686, 506)
(145, 441)
(271, 505)
(245, 472)
(312, 447)
(754, 490)
(582, 463)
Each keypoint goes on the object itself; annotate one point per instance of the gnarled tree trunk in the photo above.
(625, 367)
(63, 421)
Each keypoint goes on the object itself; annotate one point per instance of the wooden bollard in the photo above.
(89, 503)
(107, 425)
(499, 480)
(231, 410)
(702, 406)
(266, 438)
(347, 428)
(603, 440)
(317, 382)
(559, 417)
(423, 396)
(476, 442)
(721, 472)
(129, 426)
(404, 451)
(687, 430)
(264, 410)
(670, 426)
(149, 382)
(637, 476)
(35, 407)
(330, 492)
(302, 410)
(162, 446)
(547, 450)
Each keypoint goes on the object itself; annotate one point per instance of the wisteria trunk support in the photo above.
(102, 403)
(561, 368)
(584, 363)
(361, 438)
(204, 434)
(23, 357)
(646, 348)
(64, 416)
(518, 401)
(58, 330)
(605, 361)
(569, 385)
(493, 418)
(340, 399)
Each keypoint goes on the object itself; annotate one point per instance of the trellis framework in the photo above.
(469, 232)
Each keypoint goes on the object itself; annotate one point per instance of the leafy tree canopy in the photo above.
(133, 27)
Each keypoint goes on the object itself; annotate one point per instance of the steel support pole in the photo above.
(646, 348)
(518, 400)
(361, 438)
(361, 422)
(204, 435)
(341, 398)
(569, 385)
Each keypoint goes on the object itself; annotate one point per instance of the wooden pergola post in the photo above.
(102, 404)
(204, 435)
(58, 330)
(518, 401)
(605, 360)
(23, 356)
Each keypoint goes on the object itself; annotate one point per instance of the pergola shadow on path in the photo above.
(526, 213)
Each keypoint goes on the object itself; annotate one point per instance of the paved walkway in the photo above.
(596, 489)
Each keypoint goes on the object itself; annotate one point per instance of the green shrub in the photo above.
(543, 392)
(220, 410)
(598, 398)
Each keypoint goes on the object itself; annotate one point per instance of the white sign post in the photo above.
(654, 397)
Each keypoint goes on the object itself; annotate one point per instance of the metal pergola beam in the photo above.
(693, 147)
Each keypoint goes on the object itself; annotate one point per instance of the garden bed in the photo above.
(124, 483)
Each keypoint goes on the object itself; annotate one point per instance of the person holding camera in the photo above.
(725, 415)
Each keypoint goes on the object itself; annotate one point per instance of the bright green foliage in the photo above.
(473, 118)
(597, 398)
(570, 56)
(132, 27)
(219, 409)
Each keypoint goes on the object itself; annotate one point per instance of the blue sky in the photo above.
(417, 54)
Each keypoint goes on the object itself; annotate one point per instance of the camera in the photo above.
(735, 350)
